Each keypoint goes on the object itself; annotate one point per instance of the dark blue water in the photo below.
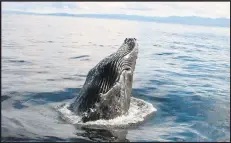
(183, 71)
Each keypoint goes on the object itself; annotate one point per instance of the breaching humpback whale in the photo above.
(107, 90)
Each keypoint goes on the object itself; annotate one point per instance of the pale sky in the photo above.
(203, 9)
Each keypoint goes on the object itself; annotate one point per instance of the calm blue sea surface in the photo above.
(183, 71)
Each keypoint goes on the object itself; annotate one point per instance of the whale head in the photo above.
(107, 90)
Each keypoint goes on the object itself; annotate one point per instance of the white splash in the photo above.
(138, 111)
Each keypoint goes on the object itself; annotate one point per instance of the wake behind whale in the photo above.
(105, 98)
(139, 110)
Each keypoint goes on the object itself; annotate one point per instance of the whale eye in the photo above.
(127, 69)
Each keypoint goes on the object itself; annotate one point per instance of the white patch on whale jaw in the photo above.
(127, 56)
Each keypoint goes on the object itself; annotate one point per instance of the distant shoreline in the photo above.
(185, 20)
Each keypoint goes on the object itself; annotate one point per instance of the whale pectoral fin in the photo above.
(128, 87)
(110, 96)
(110, 102)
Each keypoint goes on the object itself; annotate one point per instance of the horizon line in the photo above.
(158, 19)
(111, 14)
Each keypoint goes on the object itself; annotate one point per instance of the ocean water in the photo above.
(182, 76)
